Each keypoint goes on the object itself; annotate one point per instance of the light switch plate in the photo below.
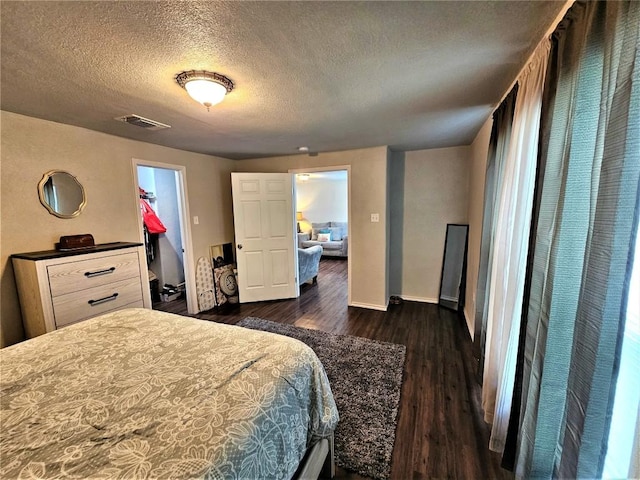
(196, 220)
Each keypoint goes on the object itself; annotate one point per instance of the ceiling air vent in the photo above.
(139, 121)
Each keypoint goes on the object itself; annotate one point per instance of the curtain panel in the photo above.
(515, 199)
(584, 241)
(498, 145)
(511, 442)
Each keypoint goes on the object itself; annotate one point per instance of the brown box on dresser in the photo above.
(59, 288)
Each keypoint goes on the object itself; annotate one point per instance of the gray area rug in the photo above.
(366, 378)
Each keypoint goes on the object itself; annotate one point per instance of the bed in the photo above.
(144, 394)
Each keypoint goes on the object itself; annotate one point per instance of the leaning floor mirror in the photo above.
(454, 267)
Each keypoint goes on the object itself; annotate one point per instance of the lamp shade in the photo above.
(299, 216)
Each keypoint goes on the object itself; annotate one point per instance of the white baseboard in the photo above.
(449, 299)
(370, 306)
(417, 299)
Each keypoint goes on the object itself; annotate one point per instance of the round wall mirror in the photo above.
(61, 194)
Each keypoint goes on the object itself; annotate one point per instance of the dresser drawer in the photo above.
(71, 277)
(73, 307)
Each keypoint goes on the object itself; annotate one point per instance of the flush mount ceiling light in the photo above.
(208, 88)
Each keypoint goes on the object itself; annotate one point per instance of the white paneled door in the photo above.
(264, 227)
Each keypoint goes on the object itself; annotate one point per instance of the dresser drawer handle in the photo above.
(100, 272)
(93, 303)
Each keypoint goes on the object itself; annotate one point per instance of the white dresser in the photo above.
(59, 288)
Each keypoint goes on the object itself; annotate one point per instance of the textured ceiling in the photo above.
(328, 75)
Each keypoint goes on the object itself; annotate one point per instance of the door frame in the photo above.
(333, 168)
(185, 224)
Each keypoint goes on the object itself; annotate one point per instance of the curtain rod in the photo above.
(567, 5)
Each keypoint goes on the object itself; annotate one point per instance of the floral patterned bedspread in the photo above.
(145, 394)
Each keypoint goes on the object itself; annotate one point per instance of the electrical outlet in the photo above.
(196, 220)
(375, 217)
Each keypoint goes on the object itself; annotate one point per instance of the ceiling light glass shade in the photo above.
(207, 88)
(206, 92)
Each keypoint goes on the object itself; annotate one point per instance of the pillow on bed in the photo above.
(324, 237)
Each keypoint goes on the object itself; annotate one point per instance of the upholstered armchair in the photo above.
(308, 264)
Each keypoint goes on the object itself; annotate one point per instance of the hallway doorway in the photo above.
(323, 205)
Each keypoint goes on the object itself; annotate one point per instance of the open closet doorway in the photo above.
(163, 188)
(323, 211)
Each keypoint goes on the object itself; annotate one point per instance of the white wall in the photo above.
(103, 164)
(428, 189)
(477, 170)
(322, 198)
(367, 244)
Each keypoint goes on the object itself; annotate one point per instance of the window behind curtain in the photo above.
(624, 421)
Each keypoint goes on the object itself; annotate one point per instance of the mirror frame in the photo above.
(463, 274)
(43, 201)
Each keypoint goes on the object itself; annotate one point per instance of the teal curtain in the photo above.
(584, 237)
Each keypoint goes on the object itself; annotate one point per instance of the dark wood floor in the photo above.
(440, 432)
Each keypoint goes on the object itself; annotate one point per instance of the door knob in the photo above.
(239, 246)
